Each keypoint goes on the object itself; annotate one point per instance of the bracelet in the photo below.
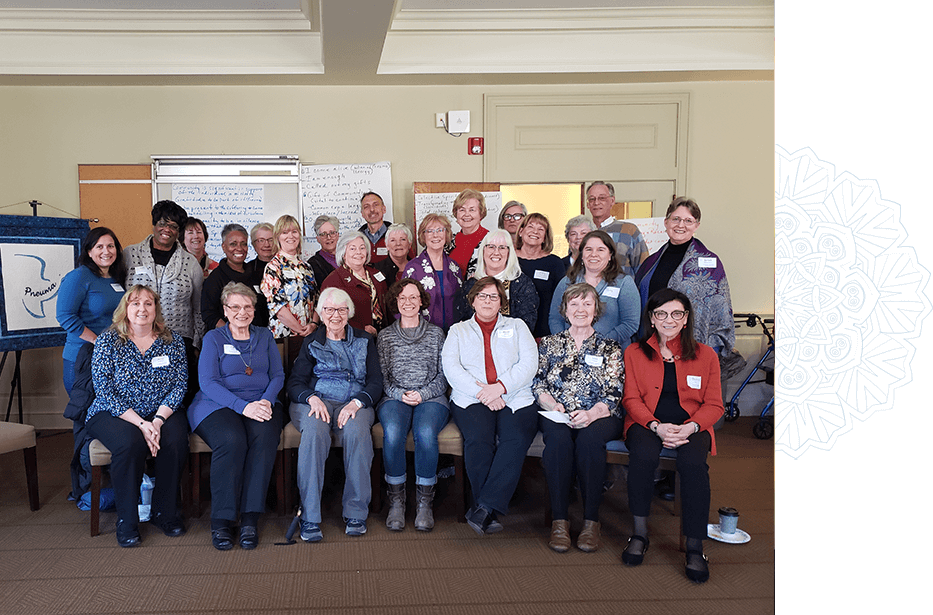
(696, 428)
(158, 416)
(653, 426)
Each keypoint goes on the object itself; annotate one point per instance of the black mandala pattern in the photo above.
(850, 298)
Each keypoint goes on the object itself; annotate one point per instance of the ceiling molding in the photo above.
(95, 20)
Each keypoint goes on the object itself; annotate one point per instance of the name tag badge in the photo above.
(611, 291)
(378, 275)
(542, 275)
(257, 289)
(160, 361)
(117, 287)
(593, 360)
(143, 271)
(506, 333)
(693, 382)
(706, 262)
(382, 251)
(230, 349)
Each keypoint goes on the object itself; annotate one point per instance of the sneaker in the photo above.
(356, 527)
(494, 525)
(311, 532)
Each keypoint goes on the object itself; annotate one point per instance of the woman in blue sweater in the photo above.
(89, 294)
(237, 413)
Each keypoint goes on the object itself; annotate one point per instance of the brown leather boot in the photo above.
(395, 520)
(560, 535)
(588, 540)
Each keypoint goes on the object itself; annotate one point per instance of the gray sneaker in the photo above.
(311, 532)
(356, 527)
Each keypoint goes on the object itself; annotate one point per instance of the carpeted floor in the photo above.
(49, 564)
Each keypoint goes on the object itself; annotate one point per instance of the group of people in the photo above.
(158, 334)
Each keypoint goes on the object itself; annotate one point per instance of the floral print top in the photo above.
(579, 379)
(441, 286)
(288, 282)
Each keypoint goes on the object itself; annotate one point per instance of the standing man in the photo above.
(630, 245)
(261, 238)
(233, 268)
(373, 210)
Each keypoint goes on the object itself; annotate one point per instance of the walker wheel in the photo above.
(763, 429)
(732, 412)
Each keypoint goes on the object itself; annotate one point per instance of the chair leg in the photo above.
(679, 511)
(194, 464)
(376, 478)
(32, 477)
(278, 472)
(95, 499)
(288, 470)
(460, 487)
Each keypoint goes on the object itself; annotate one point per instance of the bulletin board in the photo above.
(438, 197)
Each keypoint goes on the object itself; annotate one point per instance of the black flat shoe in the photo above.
(222, 539)
(697, 574)
(171, 528)
(634, 559)
(478, 519)
(127, 534)
(249, 537)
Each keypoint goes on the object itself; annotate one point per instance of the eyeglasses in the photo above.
(685, 221)
(513, 217)
(488, 296)
(496, 248)
(328, 234)
(239, 308)
(435, 231)
(166, 224)
(601, 199)
(412, 299)
(662, 315)
(329, 311)
(262, 241)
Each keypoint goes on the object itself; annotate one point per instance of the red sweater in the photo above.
(644, 378)
(466, 245)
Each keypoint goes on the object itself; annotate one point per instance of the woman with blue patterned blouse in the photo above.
(140, 376)
(290, 288)
(580, 375)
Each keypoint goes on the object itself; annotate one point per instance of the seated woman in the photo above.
(365, 286)
(333, 387)
(236, 412)
(599, 267)
(672, 399)
(580, 373)
(498, 260)
(491, 400)
(415, 387)
(140, 376)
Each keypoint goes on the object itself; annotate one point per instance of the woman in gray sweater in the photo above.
(414, 383)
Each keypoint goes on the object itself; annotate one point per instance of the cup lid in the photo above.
(728, 511)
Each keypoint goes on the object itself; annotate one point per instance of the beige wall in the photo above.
(46, 131)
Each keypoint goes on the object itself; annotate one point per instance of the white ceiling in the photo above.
(383, 41)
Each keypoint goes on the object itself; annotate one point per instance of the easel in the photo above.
(16, 385)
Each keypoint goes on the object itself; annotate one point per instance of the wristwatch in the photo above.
(359, 404)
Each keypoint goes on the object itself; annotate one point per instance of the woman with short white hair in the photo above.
(398, 243)
(365, 286)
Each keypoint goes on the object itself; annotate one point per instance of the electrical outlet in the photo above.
(439, 120)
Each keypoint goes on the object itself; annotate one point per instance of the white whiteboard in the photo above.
(336, 190)
(217, 205)
(653, 232)
(443, 202)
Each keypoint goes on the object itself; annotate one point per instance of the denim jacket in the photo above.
(337, 371)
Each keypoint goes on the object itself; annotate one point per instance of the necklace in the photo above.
(249, 369)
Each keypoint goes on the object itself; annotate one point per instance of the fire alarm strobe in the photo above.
(475, 146)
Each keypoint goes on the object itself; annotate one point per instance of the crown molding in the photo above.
(96, 20)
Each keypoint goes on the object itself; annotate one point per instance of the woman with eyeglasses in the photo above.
(499, 261)
(436, 271)
(490, 361)
(238, 414)
(327, 232)
(415, 400)
(599, 267)
(686, 265)
(672, 399)
(511, 217)
(469, 209)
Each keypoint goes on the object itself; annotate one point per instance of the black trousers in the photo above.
(566, 448)
(644, 453)
(243, 454)
(129, 452)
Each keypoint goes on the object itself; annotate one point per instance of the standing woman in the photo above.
(437, 273)
(533, 245)
(576, 229)
(469, 210)
(360, 280)
(290, 288)
(491, 399)
(87, 298)
(415, 387)
(195, 241)
(686, 265)
(239, 416)
(580, 373)
(511, 217)
(327, 232)
(499, 261)
(398, 244)
(598, 266)
(672, 399)
(140, 375)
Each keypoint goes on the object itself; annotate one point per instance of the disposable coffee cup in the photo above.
(728, 520)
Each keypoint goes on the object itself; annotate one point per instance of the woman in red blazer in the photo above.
(672, 398)
(365, 285)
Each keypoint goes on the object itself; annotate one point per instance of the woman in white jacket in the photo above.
(490, 361)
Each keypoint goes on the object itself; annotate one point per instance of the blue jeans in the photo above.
(425, 421)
